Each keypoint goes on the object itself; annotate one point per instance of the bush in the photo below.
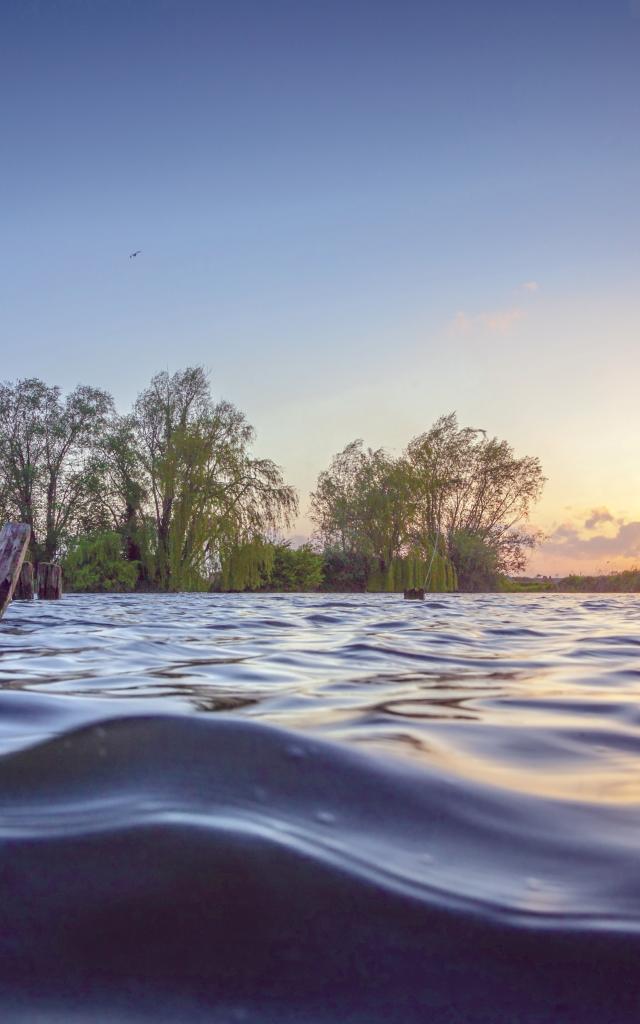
(345, 572)
(436, 574)
(95, 563)
(475, 561)
(624, 582)
(295, 569)
(525, 585)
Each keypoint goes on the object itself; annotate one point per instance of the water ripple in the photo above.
(320, 808)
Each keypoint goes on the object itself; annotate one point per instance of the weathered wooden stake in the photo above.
(14, 540)
(24, 586)
(49, 581)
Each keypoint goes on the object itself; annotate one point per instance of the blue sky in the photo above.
(356, 215)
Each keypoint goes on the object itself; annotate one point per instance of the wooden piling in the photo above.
(49, 581)
(24, 586)
(14, 540)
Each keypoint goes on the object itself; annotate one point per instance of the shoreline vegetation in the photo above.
(626, 581)
(170, 497)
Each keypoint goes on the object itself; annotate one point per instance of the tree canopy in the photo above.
(208, 495)
(170, 496)
(46, 444)
(453, 491)
(175, 478)
(467, 482)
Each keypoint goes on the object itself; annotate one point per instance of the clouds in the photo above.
(598, 517)
(498, 321)
(494, 321)
(601, 537)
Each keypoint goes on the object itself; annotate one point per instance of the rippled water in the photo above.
(320, 809)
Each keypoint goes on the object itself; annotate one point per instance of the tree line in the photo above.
(173, 482)
(171, 497)
(454, 492)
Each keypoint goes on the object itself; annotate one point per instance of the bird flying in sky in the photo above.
(136, 253)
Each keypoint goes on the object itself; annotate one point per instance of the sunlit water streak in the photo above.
(320, 808)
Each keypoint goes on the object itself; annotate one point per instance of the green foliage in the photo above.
(295, 569)
(96, 563)
(475, 561)
(362, 503)
(175, 487)
(115, 481)
(365, 508)
(246, 566)
(210, 497)
(45, 444)
(260, 565)
(354, 572)
(471, 484)
(344, 571)
(140, 544)
(176, 480)
(436, 575)
(453, 487)
(627, 581)
(509, 585)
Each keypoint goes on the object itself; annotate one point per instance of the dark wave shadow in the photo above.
(175, 868)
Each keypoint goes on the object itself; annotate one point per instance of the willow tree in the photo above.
(209, 496)
(224, 503)
(46, 443)
(116, 482)
(468, 485)
(361, 503)
(365, 504)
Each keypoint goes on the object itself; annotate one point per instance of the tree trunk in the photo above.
(49, 581)
(14, 541)
(51, 534)
(24, 586)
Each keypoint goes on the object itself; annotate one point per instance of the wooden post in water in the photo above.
(24, 586)
(14, 540)
(49, 581)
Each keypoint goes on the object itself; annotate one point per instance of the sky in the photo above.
(357, 215)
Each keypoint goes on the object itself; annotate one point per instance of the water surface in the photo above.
(320, 808)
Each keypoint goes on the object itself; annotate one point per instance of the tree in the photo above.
(96, 563)
(114, 477)
(452, 492)
(363, 503)
(476, 562)
(364, 507)
(467, 483)
(118, 496)
(209, 496)
(45, 445)
(295, 569)
(345, 571)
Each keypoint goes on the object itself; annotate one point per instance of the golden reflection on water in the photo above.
(536, 696)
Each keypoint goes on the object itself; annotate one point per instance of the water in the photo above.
(320, 809)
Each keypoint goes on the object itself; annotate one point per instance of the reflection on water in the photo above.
(327, 793)
(541, 691)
